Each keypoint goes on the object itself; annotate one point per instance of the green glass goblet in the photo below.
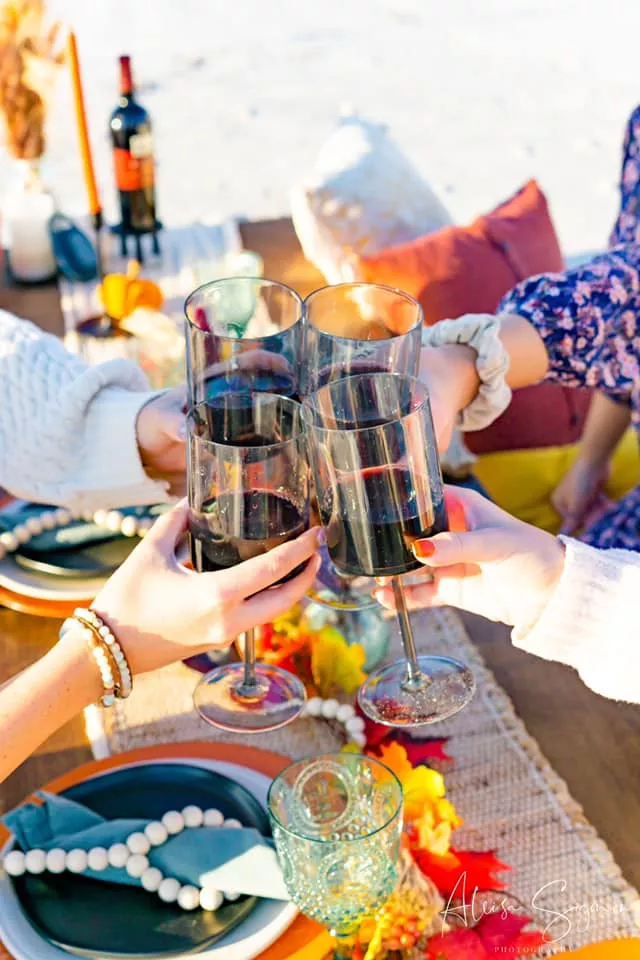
(337, 823)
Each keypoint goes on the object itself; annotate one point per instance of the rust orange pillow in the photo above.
(458, 270)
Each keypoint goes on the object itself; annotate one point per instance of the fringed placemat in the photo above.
(511, 800)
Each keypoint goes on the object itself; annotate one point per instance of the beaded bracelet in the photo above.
(107, 652)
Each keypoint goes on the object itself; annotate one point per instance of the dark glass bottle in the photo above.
(132, 142)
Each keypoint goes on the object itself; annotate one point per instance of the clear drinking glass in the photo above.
(248, 492)
(379, 488)
(337, 823)
(353, 328)
(243, 334)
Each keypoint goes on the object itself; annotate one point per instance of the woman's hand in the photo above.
(579, 494)
(161, 433)
(161, 611)
(500, 568)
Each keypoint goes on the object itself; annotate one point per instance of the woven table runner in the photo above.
(508, 795)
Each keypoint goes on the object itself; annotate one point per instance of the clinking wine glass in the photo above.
(337, 824)
(248, 493)
(353, 328)
(244, 334)
(379, 487)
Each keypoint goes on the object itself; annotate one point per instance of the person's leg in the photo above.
(627, 226)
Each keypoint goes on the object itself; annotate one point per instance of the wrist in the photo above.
(453, 367)
(72, 657)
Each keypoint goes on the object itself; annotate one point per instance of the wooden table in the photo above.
(594, 744)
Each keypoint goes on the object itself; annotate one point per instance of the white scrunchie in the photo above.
(481, 332)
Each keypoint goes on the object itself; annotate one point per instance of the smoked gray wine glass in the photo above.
(353, 328)
(248, 492)
(244, 334)
(379, 488)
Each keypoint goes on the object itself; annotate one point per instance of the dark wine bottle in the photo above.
(132, 142)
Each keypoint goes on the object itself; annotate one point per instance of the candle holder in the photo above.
(28, 208)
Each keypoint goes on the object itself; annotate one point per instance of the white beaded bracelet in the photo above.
(131, 855)
(113, 520)
(104, 634)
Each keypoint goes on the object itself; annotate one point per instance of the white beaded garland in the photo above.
(173, 822)
(76, 861)
(156, 833)
(330, 708)
(35, 861)
(131, 855)
(138, 843)
(314, 707)
(97, 859)
(168, 890)
(151, 879)
(136, 865)
(56, 861)
(343, 713)
(189, 897)
(193, 816)
(213, 818)
(118, 854)
(14, 863)
(210, 899)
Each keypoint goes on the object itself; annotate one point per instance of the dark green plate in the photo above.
(93, 560)
(109, 920)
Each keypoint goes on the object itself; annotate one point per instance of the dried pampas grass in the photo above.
(30, 53)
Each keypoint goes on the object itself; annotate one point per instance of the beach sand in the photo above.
(482, 94)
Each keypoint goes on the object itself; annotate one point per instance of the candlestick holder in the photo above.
(129, 236)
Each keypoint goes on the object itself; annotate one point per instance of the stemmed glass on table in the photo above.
(248, 475)
(337, 824)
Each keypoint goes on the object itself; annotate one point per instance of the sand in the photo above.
(482, 94)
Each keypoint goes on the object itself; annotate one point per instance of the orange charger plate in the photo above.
(304, 940)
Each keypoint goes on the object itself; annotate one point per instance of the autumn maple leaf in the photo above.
(460, 872)
(494, 935)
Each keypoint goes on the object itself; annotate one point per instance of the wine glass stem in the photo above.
(416, 679)
(250, 659)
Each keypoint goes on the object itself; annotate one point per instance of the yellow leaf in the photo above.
(446, 811)
(422, 788)
(394, 756)
(335, 664)
(432, 836)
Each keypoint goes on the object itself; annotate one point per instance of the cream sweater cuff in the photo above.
(114, 464)
(591, 623)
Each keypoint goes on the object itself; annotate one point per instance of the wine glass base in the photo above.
(221, 699)
(390, 698)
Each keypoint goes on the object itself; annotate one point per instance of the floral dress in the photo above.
(589, 319)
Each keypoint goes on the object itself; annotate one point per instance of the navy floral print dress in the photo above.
(589, 319)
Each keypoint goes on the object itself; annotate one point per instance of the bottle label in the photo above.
(133, 172)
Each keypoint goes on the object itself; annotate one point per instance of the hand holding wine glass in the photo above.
(379, 487)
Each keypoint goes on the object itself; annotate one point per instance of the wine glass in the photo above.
(353, 328)
(243, 334)
(248, 492)
(379, 487)
(337, 823)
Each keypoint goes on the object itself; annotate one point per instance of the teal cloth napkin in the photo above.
(226, 858)
(79, 533)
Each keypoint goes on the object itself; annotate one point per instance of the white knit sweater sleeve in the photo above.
(591, 622)
(68, 431)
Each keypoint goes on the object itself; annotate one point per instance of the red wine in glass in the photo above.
(378, 515)
(234, 527)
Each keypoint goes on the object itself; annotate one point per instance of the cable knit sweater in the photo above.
(590, 623)
(68, 431)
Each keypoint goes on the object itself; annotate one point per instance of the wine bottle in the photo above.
(132, 142)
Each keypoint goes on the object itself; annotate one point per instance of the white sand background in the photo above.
(482, 94)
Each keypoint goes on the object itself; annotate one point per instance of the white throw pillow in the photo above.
(362, 195)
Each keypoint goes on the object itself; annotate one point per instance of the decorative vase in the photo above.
(361, 621)
(27, 208)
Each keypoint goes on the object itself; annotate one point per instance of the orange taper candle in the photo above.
(83, 133)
